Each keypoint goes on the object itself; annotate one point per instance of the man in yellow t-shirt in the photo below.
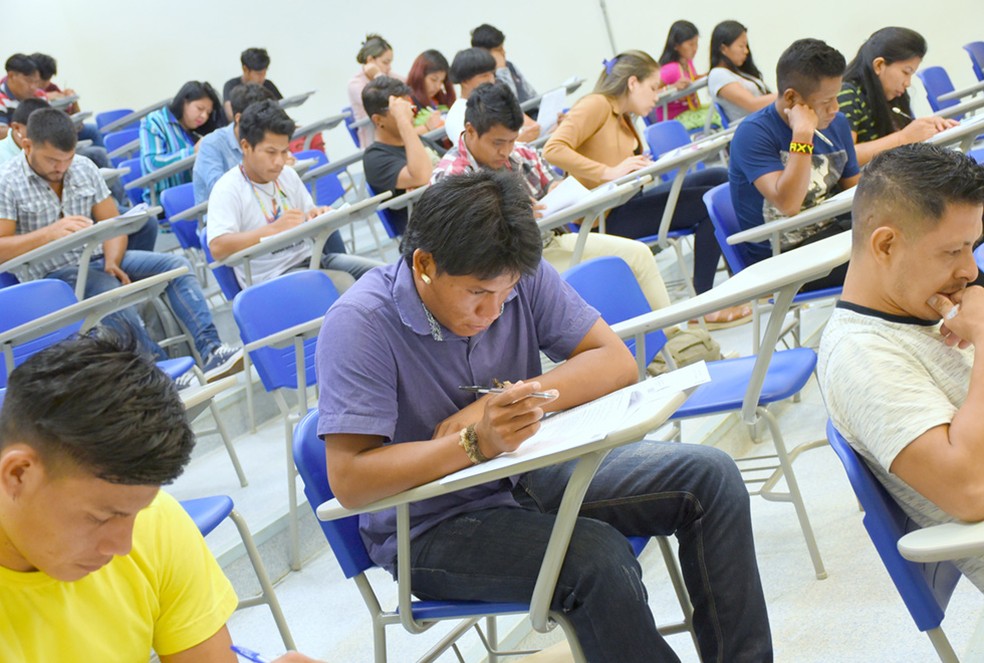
(96, 564)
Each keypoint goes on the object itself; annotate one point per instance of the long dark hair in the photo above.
(725, 33)
(894, 45)
(680, 32)
(193, 91)
(427, 63)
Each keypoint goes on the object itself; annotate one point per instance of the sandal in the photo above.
(727, 317)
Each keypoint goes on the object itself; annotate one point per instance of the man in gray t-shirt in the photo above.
(902, 386)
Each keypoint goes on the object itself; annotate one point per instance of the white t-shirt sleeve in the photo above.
(225, 206)
(295, 189)
(880, 396)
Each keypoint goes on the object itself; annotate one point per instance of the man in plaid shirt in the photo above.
(493, 119)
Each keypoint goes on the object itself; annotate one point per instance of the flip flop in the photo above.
(732, 316)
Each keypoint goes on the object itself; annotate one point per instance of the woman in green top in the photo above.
(875, 98)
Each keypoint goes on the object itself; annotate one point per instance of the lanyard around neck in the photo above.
(277, 191)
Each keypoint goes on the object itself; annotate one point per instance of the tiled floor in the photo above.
(853, 615)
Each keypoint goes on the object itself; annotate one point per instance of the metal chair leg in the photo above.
(227, 441)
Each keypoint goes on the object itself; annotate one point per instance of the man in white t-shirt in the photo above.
(904, 389)
(260, 198)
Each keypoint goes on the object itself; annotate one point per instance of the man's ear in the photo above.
(20, 467)
(26, 145)
(884, 242)
(790, 97)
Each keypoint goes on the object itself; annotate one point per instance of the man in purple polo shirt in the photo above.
(471, 302)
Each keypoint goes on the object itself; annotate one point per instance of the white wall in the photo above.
(109, 51)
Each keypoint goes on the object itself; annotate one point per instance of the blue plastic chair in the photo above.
(349, 121)
(721, 209)
(270, 307)
(346, 544)
(724, 116)
(118, 139)
(135, 195)
(925, 588)
(619, 298)
(327, 189)
(208, 513)
(937, 82)
(975, 50)
(104, 118)
(394, 226)
(7, 279)
(663, 137)
(174, 201)
(224, 276)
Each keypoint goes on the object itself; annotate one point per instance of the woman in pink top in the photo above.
(677, 71)
(376, 58)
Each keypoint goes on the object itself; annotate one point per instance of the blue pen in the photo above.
(249, 654)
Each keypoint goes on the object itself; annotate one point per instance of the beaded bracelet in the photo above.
(800, 148)
(469, 442)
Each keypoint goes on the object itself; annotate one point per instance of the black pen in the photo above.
(477, 389)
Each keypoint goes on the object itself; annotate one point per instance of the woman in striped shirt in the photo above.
(172, 133)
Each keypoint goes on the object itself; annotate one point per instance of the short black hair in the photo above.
(47, 65)
(262, 117)
(487, 36)
(22, 64)
(471, 62)
(193, 91)
(255, 59)
(245, 94)
(96, 402)
(479, 224)
(26, 107)
(51, 126)
(492, 104)
(805, 64)
(375, 95)
(912, 185)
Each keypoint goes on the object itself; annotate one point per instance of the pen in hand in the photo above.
(249, 654)
(816, 132)
(478, 389)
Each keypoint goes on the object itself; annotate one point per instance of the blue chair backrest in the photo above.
(104, 118)
(609, 285)
(135, 195)
(7, 279)
(975, 50)
(327, 188)
(24, 302)
(118, 139)
(224, 276)
(3, 391)
(721, 209)
(925, 588)
(394, 226)
(937, 82)
(663, 137)
(277, 304)
(349, 121)
(724, 116)
(174, 201)
(342, 534)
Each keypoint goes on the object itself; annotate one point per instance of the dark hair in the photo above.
(245, 94)
(47, 66)
(725, 33)
(487, 36)
(680, 32)
(372, 47)
(376, 95)
(479, 224)
(94, 401)
(491, 104)
(25, 108)
(264, 117)
(614, 79)
(51, 126)
(805, 63)
(894, 45)
(471, 62)
(255, 59)
(427, 63)
(193, 91)
(22, 64)
(913, 184)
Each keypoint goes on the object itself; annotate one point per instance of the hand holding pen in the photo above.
(511, 417)
(256, 657)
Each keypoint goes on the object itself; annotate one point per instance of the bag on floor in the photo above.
(686, 346)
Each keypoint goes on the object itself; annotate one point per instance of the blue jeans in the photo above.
(89, 131)
(643, 489)
(334, 257)
(183, 293)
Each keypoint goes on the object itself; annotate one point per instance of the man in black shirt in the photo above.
(255, 62)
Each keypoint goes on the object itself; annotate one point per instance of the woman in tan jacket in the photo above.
(597, 143)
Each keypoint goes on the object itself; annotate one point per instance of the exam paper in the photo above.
(592, 421)
(551, 104)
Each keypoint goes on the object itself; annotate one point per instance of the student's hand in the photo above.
(528, 133)
(925, 127)
(318, 211)
(371, 70)
(466, 416)
(965, 326)
(538, 208)
(117, 272)
(802, 120)
(289, 219)
(401, 110)
(66, 226)
(434, 120)
(296, 657)
(682, 84)
(510, 419)
(630, 165)
(561, 116)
